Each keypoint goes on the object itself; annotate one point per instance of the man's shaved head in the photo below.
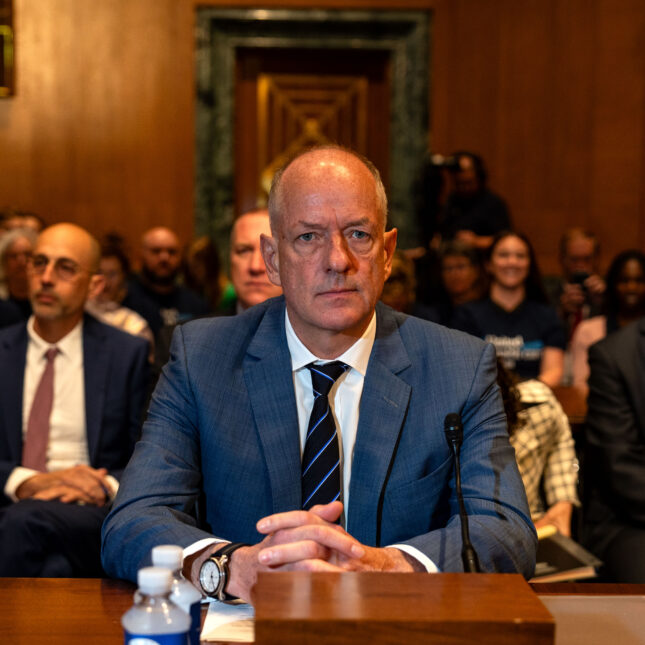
(276, 195)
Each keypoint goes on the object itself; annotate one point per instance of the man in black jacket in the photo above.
(614, 466)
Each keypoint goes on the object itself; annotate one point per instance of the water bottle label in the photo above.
(157, 639)
(195, 622)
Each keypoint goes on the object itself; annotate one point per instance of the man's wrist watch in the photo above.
(214, 573)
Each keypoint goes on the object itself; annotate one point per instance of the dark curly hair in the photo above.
(533, 284)
(612, 299)
(507, 382)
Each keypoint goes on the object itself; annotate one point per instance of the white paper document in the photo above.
(232, 623)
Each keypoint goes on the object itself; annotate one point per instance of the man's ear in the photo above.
(269, 248)
(389, 244)
(96, 286)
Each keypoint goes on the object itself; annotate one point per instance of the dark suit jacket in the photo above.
(222, 437)
(116, 381)
(614, 464)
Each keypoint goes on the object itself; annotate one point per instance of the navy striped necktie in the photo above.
(321, 457)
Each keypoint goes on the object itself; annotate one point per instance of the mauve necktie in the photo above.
(34, 450)
(321, 457)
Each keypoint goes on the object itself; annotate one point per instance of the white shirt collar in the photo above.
(66, 345)
(357, 356)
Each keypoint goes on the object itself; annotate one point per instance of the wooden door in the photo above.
(290, 99)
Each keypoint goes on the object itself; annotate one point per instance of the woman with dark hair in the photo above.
(107, 305)
(462, 278)
(624, 303)
(515, 317)
(544, 449)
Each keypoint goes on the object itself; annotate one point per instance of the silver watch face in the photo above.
(209, 576)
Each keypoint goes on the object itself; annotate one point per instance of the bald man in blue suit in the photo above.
(218, 468)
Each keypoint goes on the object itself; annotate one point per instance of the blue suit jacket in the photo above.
(116, 383)
(220, 448)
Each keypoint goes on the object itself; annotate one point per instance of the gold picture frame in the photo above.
(6, 48)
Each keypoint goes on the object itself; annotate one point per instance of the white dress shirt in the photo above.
(344, 396)
(344, 401)
(67, 423)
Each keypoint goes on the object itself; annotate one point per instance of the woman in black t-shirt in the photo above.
(516, 318)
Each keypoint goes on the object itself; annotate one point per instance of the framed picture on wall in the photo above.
(6, 48)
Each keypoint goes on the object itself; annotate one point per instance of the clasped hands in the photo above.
(309, 541)
(79, 484)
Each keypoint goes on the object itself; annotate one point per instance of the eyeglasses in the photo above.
(64, 268)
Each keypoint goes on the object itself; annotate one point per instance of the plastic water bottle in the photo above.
(154, 619)
(183, 593)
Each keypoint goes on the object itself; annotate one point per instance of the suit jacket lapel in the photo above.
(12, 376)
(383, 408)
(267, 372)
(96, 365)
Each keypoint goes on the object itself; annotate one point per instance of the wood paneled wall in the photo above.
(100, 131)
(550, 92)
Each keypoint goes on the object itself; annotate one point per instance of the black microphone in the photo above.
(454, 431)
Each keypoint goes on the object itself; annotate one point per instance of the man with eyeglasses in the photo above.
(72, 392)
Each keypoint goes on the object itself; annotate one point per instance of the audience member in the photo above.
(578, 292)
(202, 271)
(624, 304)
(116, 262)
(248, 276)
(229, 416)
(15, 250)
(12, 219)
(427, 274)
(106, 303)
(472, 213)
(157, 282)
(544, 449)
(614, 456)
(462, 278)
(515, 317)
(248, 272)
(399, 290)
(71, 397)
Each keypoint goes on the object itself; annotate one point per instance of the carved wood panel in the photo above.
(286, 101)
(6, 47)
(296, 111)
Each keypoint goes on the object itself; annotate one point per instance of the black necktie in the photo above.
(321, 457)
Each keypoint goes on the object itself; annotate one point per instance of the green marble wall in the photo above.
(403, 34)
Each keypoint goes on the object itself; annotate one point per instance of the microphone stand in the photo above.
(454, 435)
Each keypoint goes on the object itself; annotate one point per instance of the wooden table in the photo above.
(63, 611)
(69, 611)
